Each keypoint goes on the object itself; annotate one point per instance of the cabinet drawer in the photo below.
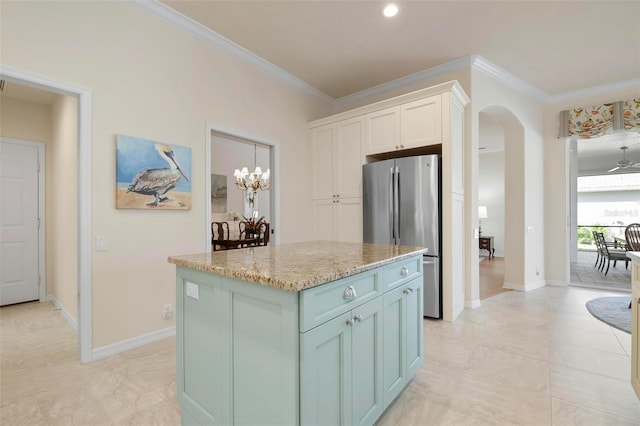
(401, 272)
(320, 304)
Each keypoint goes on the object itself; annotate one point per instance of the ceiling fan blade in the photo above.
(613, 170)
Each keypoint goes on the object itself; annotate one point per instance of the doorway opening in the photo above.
(83, 129)
(228, 151)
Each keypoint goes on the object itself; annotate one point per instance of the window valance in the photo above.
(599, 120)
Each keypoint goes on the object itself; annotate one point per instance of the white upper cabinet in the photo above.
(409, 125)
(337, 159)
(421, 122)
(322, 140)
(383, 131)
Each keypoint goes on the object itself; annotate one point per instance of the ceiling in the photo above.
(344, 47)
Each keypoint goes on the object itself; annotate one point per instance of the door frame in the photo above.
(274, 159)
(85, 130)
(42, 276)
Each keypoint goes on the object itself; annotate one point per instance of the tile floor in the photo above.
(536, 358)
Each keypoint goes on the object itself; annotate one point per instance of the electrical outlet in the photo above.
(167, 313)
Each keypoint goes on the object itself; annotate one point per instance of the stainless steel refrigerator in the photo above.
(401, 206)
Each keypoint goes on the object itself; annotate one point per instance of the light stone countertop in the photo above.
(634, 256)
(297, 266)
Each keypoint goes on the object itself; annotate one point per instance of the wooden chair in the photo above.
(632, 235)
(220, 236)
(610, 254)
(255, 237)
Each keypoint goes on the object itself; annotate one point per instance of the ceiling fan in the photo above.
(624, 163)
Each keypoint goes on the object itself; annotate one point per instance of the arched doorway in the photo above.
(503, 124)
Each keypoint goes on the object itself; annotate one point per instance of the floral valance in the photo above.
(598, 120)
(631, 115)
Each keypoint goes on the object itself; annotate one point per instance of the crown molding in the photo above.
(595, 91)
(500, 74)
(214, 39)
(446, 68)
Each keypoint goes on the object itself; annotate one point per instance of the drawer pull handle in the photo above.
(408, 291)
(404, 271)
(357, 317)
(349, 293)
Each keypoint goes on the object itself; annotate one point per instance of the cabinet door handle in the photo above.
(407, 290)
(349, 293)
(404, 271)
(349, 321)
(357, 317)
(401, 146)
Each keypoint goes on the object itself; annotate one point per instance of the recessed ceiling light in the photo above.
(390, 10)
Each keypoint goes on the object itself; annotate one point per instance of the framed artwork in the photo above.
(218, 193)
(152, 175)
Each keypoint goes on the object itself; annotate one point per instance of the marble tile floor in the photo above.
(536, 358)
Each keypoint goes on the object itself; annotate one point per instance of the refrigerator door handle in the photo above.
(396, 209)
(391, 210)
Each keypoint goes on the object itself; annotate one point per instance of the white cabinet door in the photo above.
(382, 131)
(348, 158)
(322, 154)
(349, 220)
(324, 220)
(421, 122)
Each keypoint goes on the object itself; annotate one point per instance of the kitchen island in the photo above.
(312, 333)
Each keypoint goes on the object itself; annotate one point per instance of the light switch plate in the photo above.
(101, 243)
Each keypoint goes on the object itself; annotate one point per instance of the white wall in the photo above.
(62, 222)
(154, 81)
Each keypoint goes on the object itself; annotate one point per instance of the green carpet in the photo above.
(612, 310)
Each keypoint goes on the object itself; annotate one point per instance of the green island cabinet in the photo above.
(319, 351)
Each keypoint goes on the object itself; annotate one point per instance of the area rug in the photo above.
(612, 310)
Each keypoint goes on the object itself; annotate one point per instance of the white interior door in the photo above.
(19, 272)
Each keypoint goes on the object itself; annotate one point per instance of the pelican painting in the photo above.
(147, 168)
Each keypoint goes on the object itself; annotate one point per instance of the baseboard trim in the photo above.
(472, 304)
(524, 287)
(134, 342)
(556, 283)
(65, 314)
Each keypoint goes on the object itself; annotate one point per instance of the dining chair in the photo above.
(632, 235)
(611, 254)
(219, 234)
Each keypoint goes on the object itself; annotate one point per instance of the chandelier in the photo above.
(252, 182)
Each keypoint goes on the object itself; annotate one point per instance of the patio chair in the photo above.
(610, 254)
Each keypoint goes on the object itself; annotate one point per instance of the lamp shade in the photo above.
(482, 212)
